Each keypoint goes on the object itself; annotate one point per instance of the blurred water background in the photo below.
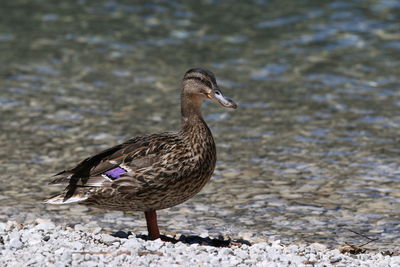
(312, 151)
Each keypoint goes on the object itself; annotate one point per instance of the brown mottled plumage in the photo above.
(151, 172)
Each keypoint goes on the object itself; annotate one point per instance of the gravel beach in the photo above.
(46, 244)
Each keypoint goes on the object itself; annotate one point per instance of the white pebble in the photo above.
(108, 239)
(3, 227)
(34, 239)
(45, 226)
(130, 244)
(77, 246)
(15, 243)
(79, 228)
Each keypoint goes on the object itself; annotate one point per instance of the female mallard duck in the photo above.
(151, 172)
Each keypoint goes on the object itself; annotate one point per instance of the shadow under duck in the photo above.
(151, 172)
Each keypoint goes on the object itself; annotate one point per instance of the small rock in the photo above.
(34, 239)
(293, 248)
(121, 234)
(318, 247)
(312, 258)
(224, 251)
(45, 225)
(108, 239)
(31, 262)
(3, 227)
(241, 254)
(80, 228)
(15, 235)
(246, 235)
(76, 257)
(13, 225)
(15, 243)
(91, 263)
(131, 243)
(77, 246)
(234, 262)
(204, 235)
(59, 251)
(335, 259)
(155, 245)
(259, 246)
(66, 256)
(96, 230)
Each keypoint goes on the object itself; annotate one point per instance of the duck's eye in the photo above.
(217, 93)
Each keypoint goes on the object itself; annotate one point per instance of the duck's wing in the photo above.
(117, 163)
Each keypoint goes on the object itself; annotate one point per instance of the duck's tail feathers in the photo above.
(59, 178)
(61, 199)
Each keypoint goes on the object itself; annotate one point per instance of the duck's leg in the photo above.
(152, 226)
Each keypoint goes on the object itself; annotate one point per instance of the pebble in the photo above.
(12, 225)
(121, 234)
(45, 225)
(96, 230)
(335, 259)
(155, 245)
(108, 239)
(318, 246)
(64, 246)
(130, 243)
(34, 239)
(3, 227)
(77, 246)
(15, 243)
(80, 228)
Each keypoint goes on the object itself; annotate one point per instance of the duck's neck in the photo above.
(191, 112)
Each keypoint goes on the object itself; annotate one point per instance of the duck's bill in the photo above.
(224, 101)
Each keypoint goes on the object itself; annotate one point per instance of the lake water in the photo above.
(311, 154)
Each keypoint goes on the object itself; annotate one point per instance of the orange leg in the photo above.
(152, 227)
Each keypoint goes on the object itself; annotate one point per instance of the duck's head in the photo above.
(200, 83)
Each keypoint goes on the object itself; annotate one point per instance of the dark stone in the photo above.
(121, 234)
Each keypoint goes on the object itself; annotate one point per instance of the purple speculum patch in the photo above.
(115, 173)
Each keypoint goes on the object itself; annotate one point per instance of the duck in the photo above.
(155, 171)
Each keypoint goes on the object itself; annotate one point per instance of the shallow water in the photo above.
(312, 150)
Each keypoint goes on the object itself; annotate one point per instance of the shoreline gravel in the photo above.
(46, 244)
